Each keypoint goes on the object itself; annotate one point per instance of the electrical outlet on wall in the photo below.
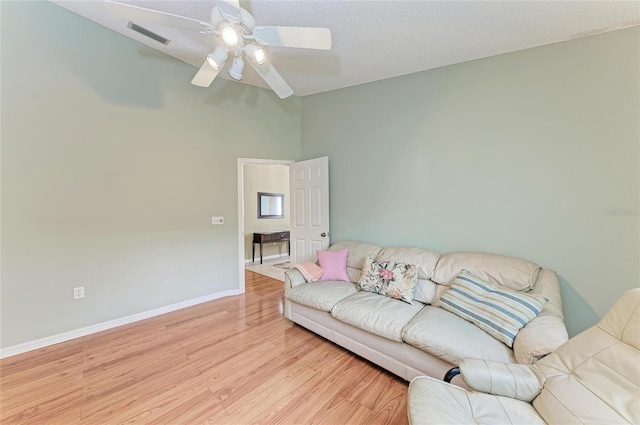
(217, 220)
(78, 292)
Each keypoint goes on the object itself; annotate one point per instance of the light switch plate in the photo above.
(217, 220)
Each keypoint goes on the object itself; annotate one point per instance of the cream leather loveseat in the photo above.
(417, 339)
(594, 378)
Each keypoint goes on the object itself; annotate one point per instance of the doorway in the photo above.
(265, 176)
(308, 208)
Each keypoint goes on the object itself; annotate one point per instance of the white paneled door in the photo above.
(309, 208)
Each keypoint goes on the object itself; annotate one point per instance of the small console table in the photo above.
(261, 238)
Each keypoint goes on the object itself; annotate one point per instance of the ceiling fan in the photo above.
(240, 40)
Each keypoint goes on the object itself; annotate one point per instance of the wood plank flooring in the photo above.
(235, 360)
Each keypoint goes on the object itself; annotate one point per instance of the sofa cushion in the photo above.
(514, 273)
(425, 291)
(431, 401)
(375, 313)
(424, 259)
(451, 338)
(499, 311)
(320, 295)
(334, 264)
(388, 278)
(358, 252)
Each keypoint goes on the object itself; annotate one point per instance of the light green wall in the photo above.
(112, 166)
(520, 154)
(270, 179)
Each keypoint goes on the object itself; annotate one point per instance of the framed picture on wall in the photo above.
(270, 205)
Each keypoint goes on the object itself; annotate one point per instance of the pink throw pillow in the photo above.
(334, 264)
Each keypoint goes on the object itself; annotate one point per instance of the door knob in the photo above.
(324, 234)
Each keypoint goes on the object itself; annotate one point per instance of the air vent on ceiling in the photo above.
(147, 33)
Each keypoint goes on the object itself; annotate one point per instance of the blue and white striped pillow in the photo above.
(501, 312)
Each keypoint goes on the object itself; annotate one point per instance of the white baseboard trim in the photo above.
(77, 333)
(248, 260)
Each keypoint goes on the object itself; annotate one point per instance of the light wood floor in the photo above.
(235, 360)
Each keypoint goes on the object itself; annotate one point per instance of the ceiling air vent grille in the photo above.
(147, 33)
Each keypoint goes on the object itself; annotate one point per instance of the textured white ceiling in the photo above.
(374, 40)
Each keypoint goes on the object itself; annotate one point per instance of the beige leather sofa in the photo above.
(592, 378)
(417, 339)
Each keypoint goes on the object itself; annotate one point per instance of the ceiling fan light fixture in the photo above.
(217, 58)
(259, 54)
(229, 36)
(236, 35)
(237, 66)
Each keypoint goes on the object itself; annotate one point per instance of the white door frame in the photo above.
(241, 163)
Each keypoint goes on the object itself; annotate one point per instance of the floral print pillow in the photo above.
(394, 280)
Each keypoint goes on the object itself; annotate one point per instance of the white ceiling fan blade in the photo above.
(205, 75)
(273, 79)
(301, 37)
(155, 17)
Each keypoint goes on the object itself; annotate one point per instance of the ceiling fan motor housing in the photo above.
(243, 24)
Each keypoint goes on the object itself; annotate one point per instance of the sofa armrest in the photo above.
(522, 382)
(540, 337)
(547, 332)
(293, 277)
